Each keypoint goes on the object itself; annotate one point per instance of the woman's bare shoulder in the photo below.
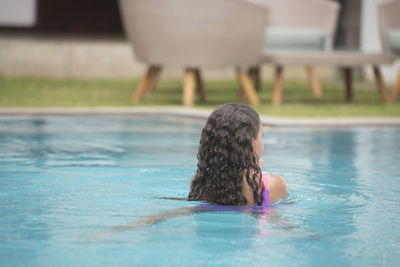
(277, 187)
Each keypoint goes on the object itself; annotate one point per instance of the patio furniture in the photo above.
(389, 25)
(296, 27)
(346, 60)
(192, 34)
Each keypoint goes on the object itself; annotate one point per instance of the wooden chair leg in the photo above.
(155, 72)
(396, 88)
(277, 88)
(146, 82)
(314, 82)
(254, 73)
(200, 85)
(381, 85)
(189, 87)
(348, 78)
(248, 88)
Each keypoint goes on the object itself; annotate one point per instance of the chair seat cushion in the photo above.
(293, 39)
(394, 40)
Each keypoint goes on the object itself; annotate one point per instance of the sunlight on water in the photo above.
(65, 178)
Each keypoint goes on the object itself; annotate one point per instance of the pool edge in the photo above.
(202, 114)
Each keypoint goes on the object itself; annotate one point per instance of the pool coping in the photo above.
(202, 114)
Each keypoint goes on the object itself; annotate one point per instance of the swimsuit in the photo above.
(265, 190)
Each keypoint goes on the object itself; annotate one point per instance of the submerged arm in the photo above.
(149, 220)
(153, 219)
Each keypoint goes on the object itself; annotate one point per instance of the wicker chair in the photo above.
(192, 34)
(298, 27)
(389, 24)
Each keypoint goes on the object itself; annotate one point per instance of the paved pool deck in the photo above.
(200, 114)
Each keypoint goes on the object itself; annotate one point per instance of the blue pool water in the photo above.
(65, 179)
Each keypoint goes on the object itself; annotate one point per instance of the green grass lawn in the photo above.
(297, 101)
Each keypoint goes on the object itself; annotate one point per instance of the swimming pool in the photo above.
(64, 178)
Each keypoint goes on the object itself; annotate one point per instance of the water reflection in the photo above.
(379, 171)
(24, 202)
(334, 173)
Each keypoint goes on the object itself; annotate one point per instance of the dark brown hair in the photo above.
(226, 155)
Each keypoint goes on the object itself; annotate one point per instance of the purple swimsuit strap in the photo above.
(265, 190)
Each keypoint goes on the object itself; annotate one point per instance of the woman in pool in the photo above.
(229, 161)
(229, 168)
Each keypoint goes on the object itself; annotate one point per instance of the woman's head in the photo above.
(229, 151)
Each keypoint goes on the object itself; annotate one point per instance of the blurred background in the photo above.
(86, 39)
(61, 53)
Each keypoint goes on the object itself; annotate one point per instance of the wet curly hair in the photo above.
(226, 156)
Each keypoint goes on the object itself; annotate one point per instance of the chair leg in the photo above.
(155, 72)
(381, 85)
(189, 87)
(396, 88)
(277, 88)
(248, 88)
(254, 73)
(348, 78)
(200, 85)
(148, 81)
(314, 82)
